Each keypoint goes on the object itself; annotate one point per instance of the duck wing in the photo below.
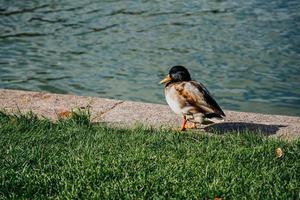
(196, 95)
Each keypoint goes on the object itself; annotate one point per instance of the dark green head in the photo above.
(176, 74)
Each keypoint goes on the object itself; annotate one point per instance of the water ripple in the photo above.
(22, 35)
(98, 29)
(7, 12)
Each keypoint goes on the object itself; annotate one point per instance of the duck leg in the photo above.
(183, 125)
(187, 125)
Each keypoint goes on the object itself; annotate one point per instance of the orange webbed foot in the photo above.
(186, 125)
(190, 125)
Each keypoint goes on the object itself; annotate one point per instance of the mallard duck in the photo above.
(189, 98)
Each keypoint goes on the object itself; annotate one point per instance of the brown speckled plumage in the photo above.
(195, 96)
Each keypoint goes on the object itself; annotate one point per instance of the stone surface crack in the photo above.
(115, 105)
(100, 114)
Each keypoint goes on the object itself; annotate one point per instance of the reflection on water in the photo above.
(247, 53)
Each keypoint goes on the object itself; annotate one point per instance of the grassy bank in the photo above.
(75, 159)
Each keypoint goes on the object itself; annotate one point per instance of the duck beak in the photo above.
(166, 79)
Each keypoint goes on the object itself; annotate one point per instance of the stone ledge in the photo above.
(128, 113)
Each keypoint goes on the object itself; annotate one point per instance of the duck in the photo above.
(189, 98)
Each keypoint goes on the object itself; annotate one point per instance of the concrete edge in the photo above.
(128, 113)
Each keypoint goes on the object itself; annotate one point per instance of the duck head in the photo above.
(176, 74)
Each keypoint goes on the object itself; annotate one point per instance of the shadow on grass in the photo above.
(226, 127)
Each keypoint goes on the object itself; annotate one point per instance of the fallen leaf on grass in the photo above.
(65, 114)
(278, 152)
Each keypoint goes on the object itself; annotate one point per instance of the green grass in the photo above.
(73, 159)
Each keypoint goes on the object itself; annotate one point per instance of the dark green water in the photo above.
(246, 52)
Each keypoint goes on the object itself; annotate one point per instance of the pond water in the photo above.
(247, 53)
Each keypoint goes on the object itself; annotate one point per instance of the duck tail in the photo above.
(214, 115)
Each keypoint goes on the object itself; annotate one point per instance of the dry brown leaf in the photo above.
(65, 114)
(278, 152)
(217, 198)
